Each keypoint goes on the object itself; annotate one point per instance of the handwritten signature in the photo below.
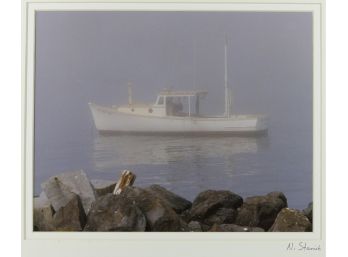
(302, 246)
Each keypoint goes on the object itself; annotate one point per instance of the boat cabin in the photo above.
(180, 103)
(169, 103)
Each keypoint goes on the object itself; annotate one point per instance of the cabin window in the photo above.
(160, 100)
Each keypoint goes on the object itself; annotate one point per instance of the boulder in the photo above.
(194, 226)
(43, 214)
(278, 195)
(61, 189)
(261, 211)
(159, 215)
(177, 203)
(210, 201)
(103, 187)
(308, 212)
(183, 226)
(291, 220)
(205, 227)
(70, 217)
(222, 216)
(186, 216)
(234, 228)
(115, 213)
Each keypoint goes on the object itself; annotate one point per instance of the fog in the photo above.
(86, 57)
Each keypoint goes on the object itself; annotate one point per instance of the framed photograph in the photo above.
(160, 128)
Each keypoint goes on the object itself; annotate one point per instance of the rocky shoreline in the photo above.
(72, 202)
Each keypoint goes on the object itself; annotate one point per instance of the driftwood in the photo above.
(127, 179)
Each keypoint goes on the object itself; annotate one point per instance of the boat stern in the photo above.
(262, 123)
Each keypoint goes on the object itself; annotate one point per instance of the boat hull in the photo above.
(110, 121)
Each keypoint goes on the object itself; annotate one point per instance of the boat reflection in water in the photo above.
(186, 165)
(111, 151)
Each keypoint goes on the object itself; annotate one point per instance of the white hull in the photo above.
(110, 120)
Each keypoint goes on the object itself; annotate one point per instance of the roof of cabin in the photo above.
(135, 105)
(183, 93)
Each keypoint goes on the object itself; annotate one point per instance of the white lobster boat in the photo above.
(174, 112)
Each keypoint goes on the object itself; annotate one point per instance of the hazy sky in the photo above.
(86, 57)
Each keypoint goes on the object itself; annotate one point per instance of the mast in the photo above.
(194, 65)
(130, 95)
(227, 100)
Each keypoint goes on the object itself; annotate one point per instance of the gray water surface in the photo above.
(188, 165)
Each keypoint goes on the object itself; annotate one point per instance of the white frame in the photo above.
(171, 244)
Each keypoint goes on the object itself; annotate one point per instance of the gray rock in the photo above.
(222, 216)
(194, 226)
(208, 202)
(70, 217)
(280, 195)
(186, 216)
(177, 203)
(103, 187)
(43, 214)
(41, 201)
(183, 226)
(61, 189)
(309, 212)
(291, 220)
(159, 215)
(115, 213)
(261, 211)
(234, 228)
(205, 227)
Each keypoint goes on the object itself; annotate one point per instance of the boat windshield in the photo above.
(181, 103)
(182, 106)
(160, 100)
(174, 106)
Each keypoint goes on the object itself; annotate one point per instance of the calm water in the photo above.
(187, 165)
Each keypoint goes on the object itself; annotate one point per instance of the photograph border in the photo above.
(171, 243)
